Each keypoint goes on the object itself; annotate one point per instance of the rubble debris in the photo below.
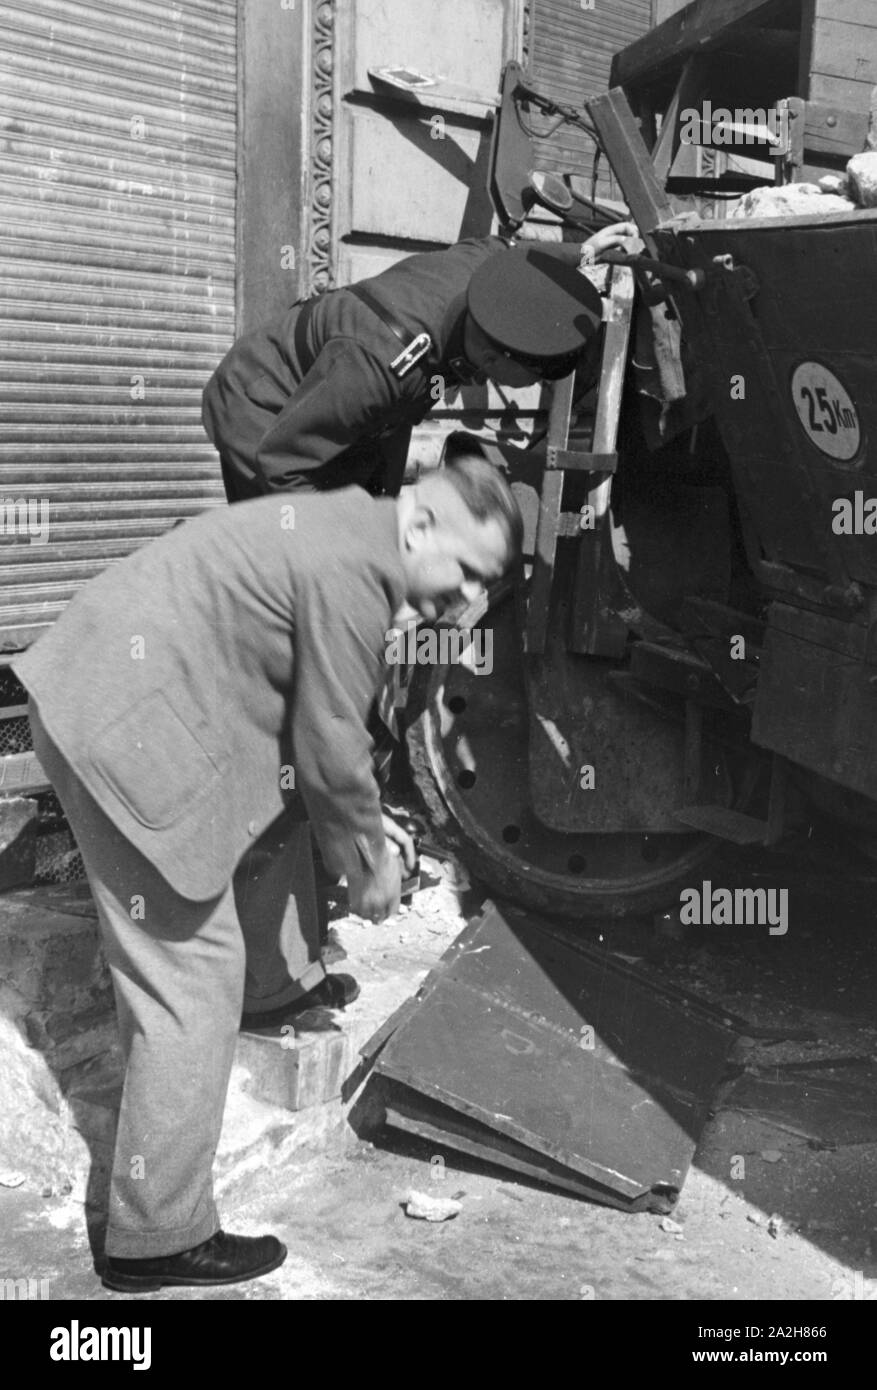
(771, 1155)
(834, 183)
(671, 1227)
(789, 200)
(862, 179)
(775, 1226)
(425, 1208)
(10, 1177)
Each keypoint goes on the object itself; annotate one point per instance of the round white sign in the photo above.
(826, 411)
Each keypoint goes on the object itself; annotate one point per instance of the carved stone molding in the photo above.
(320, 268)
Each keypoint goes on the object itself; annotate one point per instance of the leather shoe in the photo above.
(223, 1259)
(332, 992)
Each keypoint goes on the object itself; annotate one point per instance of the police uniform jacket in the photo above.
(315, 403)
(199, 684)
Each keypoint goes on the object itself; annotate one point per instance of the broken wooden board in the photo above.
(557, 1061)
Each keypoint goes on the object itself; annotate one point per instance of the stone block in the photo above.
(49, 958)
(296, 1069)
(69, 1037)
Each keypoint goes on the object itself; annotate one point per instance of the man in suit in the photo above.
(200, 698)
(327, 394)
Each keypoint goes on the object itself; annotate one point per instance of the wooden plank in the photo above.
(849, 11)
(21, 772)
(834, 130)
(840, 91)
(845, 50)
(691, 30)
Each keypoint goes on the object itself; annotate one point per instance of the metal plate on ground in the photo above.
(573, 1057)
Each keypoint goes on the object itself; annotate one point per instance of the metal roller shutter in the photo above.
(571, 51)
(117, 280)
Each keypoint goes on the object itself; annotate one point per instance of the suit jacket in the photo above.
(182, 681)
(280, 423)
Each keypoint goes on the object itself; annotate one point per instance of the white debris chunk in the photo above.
(10, 1177)
(862, 177)
(671, 1227)
(835, 183)
(790, 200)
(426, 1208)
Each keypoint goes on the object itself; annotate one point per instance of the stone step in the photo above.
(54, 982)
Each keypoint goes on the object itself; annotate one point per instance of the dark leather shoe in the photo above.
(223, 1259)
(332, 992)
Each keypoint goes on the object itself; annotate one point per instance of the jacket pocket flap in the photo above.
(154, 762)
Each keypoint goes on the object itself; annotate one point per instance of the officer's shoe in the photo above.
(223, 1259)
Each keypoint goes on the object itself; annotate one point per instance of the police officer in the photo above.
(326, 395)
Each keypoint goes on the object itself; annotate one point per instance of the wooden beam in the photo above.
(689, 31)
(548, 524)
(687, 90)
(595, 627)
(631, 162)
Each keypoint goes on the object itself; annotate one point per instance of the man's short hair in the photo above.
(485, 492)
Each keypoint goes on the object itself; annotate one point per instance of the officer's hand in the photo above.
(621, 236)
(400, 840)
(375, 894)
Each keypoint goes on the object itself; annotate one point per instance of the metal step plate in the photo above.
(725, 824)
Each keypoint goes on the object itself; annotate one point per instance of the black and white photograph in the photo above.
(438, 666)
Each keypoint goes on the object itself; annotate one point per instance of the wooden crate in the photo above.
(755, 53)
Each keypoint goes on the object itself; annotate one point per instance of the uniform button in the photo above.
(251, 828)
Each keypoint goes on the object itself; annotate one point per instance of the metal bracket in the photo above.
(746, 278)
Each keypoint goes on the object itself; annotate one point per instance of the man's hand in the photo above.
(375, 894)
(402, 840)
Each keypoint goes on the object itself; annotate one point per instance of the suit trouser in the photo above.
(182, 971)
